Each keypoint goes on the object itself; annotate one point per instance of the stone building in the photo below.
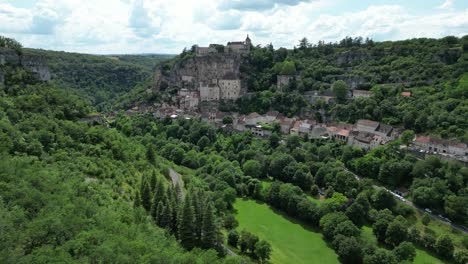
(440, 146)
(209, 92)
(239, 46)
(230, 87)
(233, 46)
(227, 88)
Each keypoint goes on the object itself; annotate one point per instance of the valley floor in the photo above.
(291, 242)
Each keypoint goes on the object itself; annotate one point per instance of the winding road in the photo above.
(177, 180)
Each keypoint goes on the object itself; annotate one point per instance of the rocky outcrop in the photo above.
(352, 57)
(35, 64)
(189, 72)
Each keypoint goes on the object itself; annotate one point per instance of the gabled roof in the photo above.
(406, 94)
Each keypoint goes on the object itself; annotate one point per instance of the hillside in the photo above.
(100, 79)
(373, 75)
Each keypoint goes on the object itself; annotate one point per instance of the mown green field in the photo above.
(291, 242)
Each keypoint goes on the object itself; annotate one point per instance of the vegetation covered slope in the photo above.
(67, 187)
(101, 79)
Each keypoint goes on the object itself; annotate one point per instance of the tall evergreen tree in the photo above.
(209, 229)
(186, 224)
(159, 213)
(137, 201)
(151, 153)
(153, 180)
(146, 196)
(166, 217)
(197, 206)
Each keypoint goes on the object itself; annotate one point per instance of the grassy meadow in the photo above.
(291, 242)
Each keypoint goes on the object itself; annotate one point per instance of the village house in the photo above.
(286, 123)
(365, 140)
(382, 130)
(338, 134)
(319, 131)
(440, 146)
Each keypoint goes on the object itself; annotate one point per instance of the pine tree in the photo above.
(153, 180)
(186, 224)
(146, 196)
(137, 201)
(197, 205)
(209, 229)
(166, 216)
(158, 196)
(159, 213)
(151, 153)
(173, 201)
(159, 191)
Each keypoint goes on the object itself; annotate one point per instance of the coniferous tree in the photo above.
(209, 229)
(151, 153)
(186, 224)
(153, 180)
(166, 217)
(137, 201)
(159, 191)
(146, 196)
(197, 206)
(159, 213)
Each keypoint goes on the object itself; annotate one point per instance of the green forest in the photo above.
(133, 189)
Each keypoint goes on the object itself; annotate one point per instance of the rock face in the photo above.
(189, 73)
(353, 56)
(35, 64)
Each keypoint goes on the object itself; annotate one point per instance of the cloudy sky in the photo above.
(167, 26)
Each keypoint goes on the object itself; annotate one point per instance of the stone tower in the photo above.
(248, 42)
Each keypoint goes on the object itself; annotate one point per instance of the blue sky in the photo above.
(167, 26)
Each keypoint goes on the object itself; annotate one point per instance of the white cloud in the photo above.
(137, 26)
(447, 4)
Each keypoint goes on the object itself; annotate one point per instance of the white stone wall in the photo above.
(209, 93)
(229, 89)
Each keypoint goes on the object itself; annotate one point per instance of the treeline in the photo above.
(11, 44)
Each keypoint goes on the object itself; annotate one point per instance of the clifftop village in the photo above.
(367, 134)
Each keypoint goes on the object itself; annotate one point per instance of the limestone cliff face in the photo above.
(352, 56)
(35, 64)
(188, 73)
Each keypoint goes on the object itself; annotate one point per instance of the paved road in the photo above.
(177, 180)
(455, 226)
(229, 252)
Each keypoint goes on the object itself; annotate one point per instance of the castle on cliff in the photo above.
(234, 46)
